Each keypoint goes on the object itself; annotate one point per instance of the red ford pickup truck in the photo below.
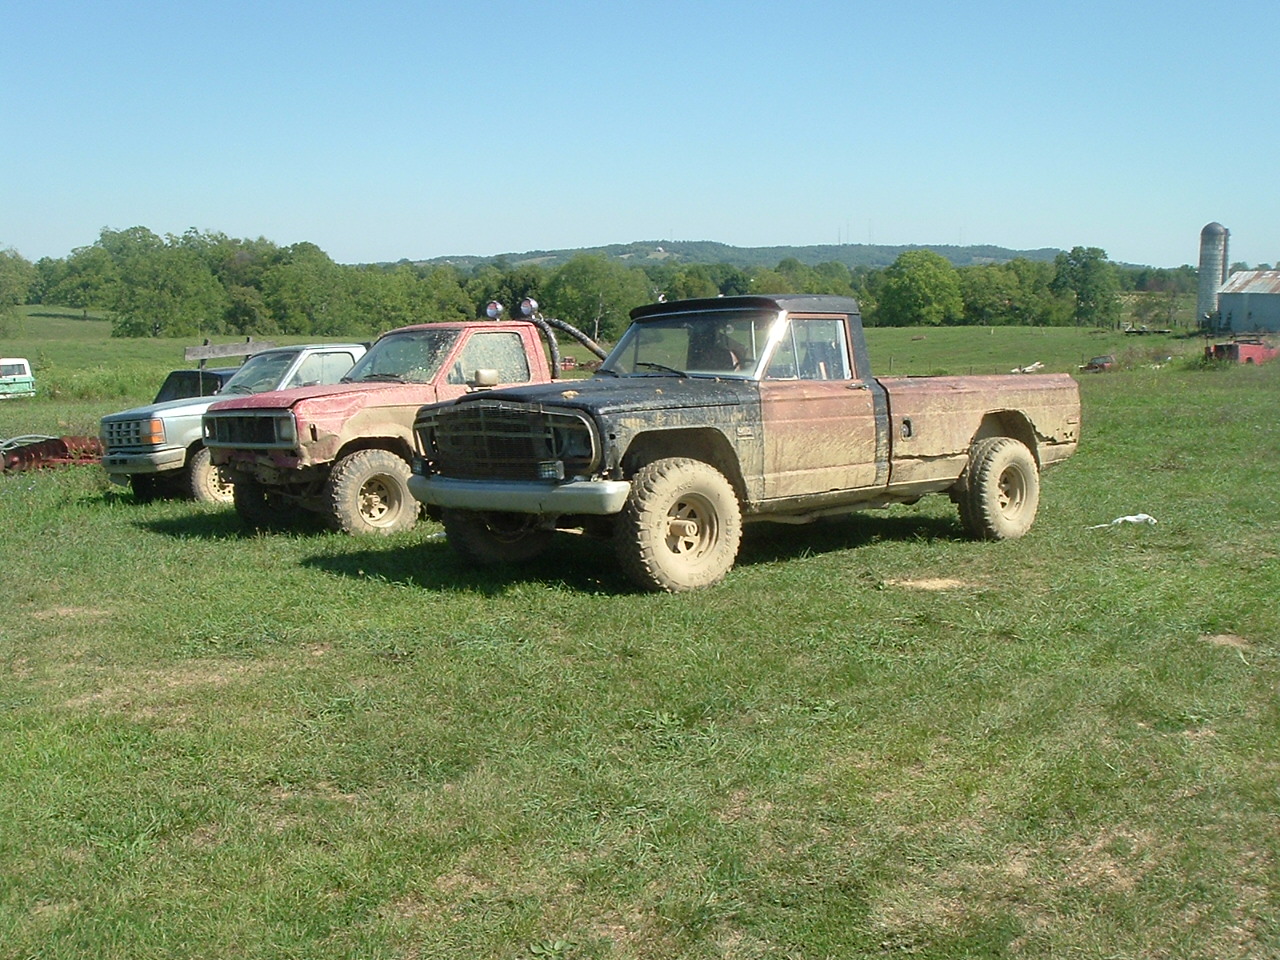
(344, 450)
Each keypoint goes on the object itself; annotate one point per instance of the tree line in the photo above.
(207, 284)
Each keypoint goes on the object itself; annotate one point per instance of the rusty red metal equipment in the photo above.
(1242, 350)
(36, 452)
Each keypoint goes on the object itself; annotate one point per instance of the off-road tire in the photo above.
(368, 492)
(263, 508)
(1001, 490)
(487, 539)
(206, 483)
(680, 528)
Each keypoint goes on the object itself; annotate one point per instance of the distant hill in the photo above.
(708, 251)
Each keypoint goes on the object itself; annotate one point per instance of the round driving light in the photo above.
(494, 310)
(528, 306)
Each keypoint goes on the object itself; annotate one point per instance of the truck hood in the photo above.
(611, 395)
(187, 406)
(336, 397)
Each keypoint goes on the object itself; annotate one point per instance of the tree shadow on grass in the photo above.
(587, 565)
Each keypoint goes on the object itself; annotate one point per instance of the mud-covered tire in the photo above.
(263, 508)
(206, 483)
(680, 528)
(368, 493)
(1001, 490)
(487, 539)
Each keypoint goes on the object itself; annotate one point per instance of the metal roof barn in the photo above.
(1249, 302)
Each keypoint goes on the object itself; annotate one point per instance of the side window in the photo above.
(811, 349)
(322, 369)
(500, 350)
(783, 365)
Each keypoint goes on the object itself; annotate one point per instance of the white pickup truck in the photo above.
(159, 448)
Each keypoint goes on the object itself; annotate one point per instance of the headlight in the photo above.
(151, 431)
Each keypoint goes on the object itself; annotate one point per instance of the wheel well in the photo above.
(1008, 423)
(709, 446)
(394, 445)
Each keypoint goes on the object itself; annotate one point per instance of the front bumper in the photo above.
(155, 461)
(590, 497)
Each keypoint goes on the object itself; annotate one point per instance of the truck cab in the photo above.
(16, 379)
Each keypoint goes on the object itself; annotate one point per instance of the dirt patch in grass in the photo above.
(149, 693)
(932, 583)
(1113, 860)
(1227, 640)
(1031, 881)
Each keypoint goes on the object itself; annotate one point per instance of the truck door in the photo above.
(818, 412)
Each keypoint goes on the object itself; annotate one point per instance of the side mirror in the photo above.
(485, 378)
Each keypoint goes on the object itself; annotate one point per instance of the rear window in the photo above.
(181, 384)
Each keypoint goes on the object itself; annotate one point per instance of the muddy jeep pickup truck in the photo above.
(709, 413)
(343, 451)
(159, 448)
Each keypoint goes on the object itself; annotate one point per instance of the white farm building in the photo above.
(1249, 302)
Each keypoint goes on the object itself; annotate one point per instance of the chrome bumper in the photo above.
(592, 497)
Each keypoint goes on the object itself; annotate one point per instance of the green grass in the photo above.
(970, 350)
(876, 738)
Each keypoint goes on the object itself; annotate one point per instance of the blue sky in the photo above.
(386, 129)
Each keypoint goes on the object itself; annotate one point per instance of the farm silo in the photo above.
(1213, 269)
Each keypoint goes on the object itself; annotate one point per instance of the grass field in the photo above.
(875, 739)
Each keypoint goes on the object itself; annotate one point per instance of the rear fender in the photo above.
(1008, 423)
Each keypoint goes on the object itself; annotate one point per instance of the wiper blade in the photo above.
(383, 377)
(661, 367)
(237, 388)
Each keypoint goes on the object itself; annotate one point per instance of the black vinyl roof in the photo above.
(791, 302)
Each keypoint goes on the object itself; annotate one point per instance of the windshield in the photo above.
(260, 373)
(721, 343)
(413, 356)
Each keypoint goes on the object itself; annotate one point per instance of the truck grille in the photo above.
(489, 440)
(245, 431)
(125, 433)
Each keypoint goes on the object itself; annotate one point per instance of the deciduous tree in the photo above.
(920, 287)
(168, 292)
(17, 277)
(1086, 275)
(597, 294)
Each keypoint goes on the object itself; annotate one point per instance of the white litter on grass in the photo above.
(1132, 518)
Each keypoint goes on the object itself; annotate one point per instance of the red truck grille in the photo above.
(260, 430)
